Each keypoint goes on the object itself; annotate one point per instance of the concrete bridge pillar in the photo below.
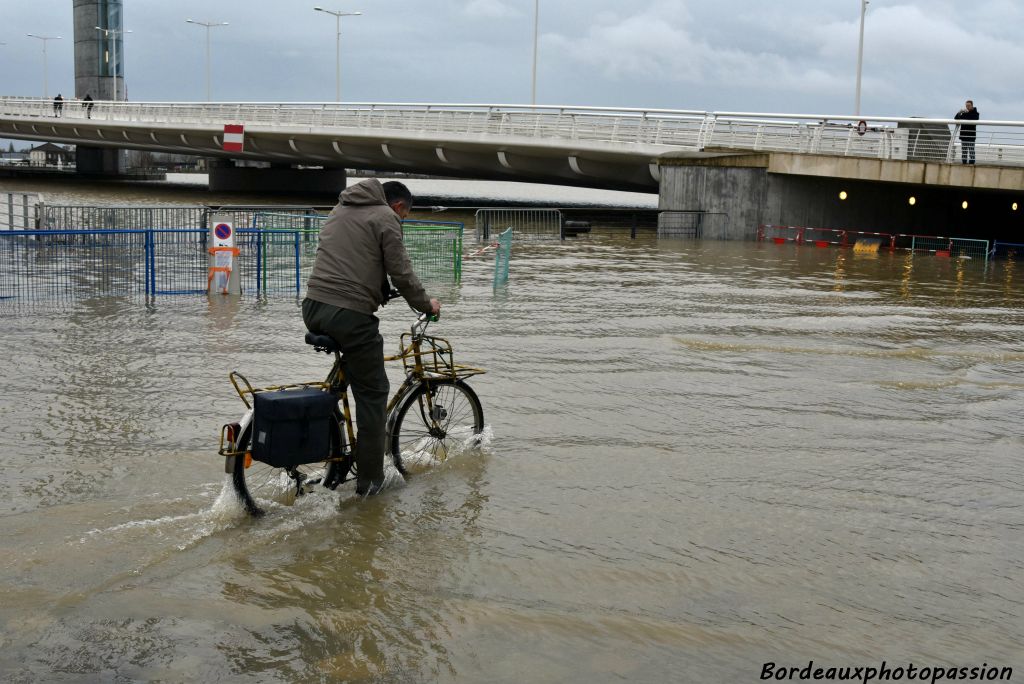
(729, 201)
(225, 176)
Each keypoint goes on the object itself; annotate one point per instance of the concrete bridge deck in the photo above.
(586, 146)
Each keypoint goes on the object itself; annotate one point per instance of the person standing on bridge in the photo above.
(360, 246)
(87, 103)
(58, 104)
(968, 132)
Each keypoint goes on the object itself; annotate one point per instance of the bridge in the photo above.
(699, 161)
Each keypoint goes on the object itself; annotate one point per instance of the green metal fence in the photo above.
(283, 233)
(502, 257)
(435, 249)
(528, 223)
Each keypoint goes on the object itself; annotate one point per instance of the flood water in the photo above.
(702, 457)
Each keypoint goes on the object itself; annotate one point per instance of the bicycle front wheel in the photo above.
(437, 418)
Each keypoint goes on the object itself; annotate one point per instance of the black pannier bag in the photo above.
(292, 427)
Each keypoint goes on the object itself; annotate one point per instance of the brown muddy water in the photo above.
(701, 457)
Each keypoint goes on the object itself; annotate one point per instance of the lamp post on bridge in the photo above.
(208, 25)
(860, 53)
(46, 85)
(113, 55)
(536, 23)
(337, 46)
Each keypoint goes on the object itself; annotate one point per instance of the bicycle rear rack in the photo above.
(238, 380)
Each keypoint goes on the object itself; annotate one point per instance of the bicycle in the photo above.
(433, 412)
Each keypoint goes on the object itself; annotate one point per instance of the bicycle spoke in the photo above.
(436, 421)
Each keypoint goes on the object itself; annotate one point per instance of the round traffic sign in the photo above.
(222, 231)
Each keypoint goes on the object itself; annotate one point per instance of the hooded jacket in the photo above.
(360, 245)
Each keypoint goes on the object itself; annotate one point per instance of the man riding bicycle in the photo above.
(360, 247)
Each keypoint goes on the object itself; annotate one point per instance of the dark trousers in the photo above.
(359, 337)
(967, 150)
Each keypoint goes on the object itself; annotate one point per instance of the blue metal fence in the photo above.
(1007, 250)
(175, 261)
(73, 263)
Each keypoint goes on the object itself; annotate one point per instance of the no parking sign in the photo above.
(222, 276)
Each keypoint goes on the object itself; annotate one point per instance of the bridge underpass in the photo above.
(738, 169)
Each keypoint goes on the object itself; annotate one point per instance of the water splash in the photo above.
(428, 453)
(191, 528)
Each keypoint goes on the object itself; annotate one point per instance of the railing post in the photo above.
(259, 261)
(149, 262)
(298, 272)
(707, 130)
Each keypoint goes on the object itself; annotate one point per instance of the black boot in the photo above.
(368, 487)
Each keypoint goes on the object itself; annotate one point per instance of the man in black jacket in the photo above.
(968, 132)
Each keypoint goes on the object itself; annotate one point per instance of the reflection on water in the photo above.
(703, 457)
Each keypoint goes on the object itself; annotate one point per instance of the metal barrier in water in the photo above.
(18, 210)
(165, 261)
(35, 265)
(938, 245)
(679, 224)
(434, 248)
(1007, 250)
(502, 258)
(89, 217)
(89, 263)
(527, 223)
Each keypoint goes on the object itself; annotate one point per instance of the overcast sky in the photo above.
(921, 57)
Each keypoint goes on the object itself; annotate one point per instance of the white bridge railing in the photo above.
(657, 130)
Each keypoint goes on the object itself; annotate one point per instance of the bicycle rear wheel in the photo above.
(258, 484)
(438, 417)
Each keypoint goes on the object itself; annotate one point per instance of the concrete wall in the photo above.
(737, 199)
(731, 199)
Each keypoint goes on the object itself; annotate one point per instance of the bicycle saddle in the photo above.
(322, 343)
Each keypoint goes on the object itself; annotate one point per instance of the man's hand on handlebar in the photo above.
(435, 307)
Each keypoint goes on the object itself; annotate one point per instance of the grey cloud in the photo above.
(921, 56)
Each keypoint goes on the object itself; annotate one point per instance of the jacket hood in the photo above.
(369, 191)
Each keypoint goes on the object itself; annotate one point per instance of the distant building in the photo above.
(14, 158)
(49, 154)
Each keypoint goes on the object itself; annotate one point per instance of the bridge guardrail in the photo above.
(660, 130)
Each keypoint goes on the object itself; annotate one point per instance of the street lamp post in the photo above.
(208, 25)
(337, 46)
(860, 53)
(46, 85)
(113, 55)
(536, 23)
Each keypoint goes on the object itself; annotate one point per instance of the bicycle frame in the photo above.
(423, 357)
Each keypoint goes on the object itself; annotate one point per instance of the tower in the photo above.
(99, 72)
(99, 56)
